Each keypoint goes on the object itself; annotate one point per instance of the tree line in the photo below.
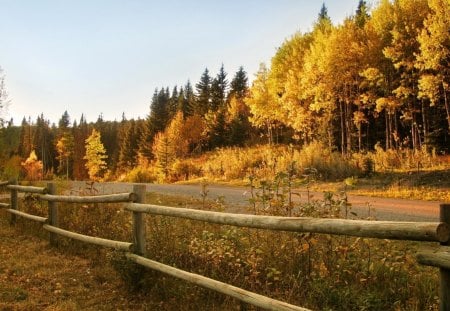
(381, 77)
(184, 121)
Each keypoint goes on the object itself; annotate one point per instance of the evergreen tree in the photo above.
(238, 125)
(362, 14)
(173, 103)
(189, 100)
(203, 97)
(26, 139)
(42, 140)
(64, 122)
(129, 146)
(239, 84)
(159, 115)
(219, 90)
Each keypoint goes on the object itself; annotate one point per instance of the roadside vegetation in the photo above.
(321, 272)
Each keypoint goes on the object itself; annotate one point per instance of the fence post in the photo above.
(139, 222)
(445, 273)
(14, 201)
(52, 214)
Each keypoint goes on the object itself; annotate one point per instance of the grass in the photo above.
(321, 272)
(34, 276)
(433, 185)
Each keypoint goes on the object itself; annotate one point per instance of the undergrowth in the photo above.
(321, 272)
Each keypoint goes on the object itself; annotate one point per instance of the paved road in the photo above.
(237, 199)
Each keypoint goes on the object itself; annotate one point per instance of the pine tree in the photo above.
(95, 156)
(64, 122)
(238, 125)
(159, 116)
(26, 139)
(190, 100)
(42, 140)
(239, 85)
(203, 97)
(131, 133)
(173, 103)
(219, 88)
(362, 14)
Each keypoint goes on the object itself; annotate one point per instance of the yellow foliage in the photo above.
(33, 167)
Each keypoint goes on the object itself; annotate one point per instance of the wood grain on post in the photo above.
(224, 288)
(413, 231)
(139, 230)
(52, 214)
(14, 201)
(444, 304)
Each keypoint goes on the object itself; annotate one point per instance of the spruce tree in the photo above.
(189, 100)
(203, 98)
(219, 90)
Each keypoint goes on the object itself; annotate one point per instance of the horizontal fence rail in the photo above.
(107, 198)
(27, 216)
(437, 258)
(4, 183)
(5, 205)
(224, 288)
(414, 231)
(28, 189)
(125, 246)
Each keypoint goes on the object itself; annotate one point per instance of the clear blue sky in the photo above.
(108, 56)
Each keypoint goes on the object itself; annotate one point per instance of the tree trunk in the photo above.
(387, 122)
(341, 110)
(447, 108)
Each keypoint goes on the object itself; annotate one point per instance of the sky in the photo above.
(107, 57)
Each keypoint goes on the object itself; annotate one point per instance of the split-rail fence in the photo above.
(136, 250)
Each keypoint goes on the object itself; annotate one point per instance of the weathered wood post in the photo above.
(52, 214)
(14, 201)
(139, 230)
(444, 272)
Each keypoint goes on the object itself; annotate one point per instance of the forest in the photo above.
(378, 80)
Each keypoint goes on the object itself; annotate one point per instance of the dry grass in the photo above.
(317, 271)
(35, 276)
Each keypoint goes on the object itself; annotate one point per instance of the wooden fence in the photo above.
(136, 250)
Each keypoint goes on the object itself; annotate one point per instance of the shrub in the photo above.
(183, 170)
(141, 175)
(11, 168)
